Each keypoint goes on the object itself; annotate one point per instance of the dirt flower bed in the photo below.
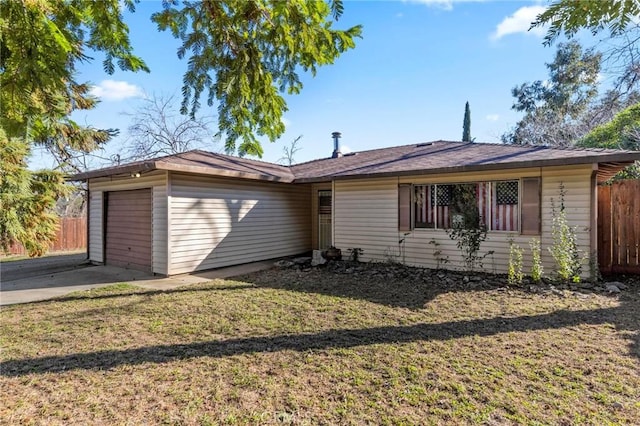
(342, 343)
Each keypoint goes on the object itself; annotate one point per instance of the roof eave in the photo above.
(150, 166)
(212, 171)
(621, 159)
(147, 166)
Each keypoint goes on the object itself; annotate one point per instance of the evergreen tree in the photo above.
(27, 199)
(466, 124)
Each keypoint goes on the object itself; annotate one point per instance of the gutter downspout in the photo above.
(88, 258)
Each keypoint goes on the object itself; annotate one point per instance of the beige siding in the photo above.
(156, 180)
(366, 216)
(95, 227)
(220, 222)
(160, 247)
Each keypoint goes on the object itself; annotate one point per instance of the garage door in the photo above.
(128, 229)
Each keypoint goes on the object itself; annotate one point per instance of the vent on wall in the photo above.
(424, 144)
(349, 154)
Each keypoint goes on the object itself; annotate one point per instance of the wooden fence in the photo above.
(619, 227)
(71, 236)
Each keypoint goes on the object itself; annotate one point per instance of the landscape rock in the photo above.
(618, 284)
(453, 280)
(612, 288)
(317, 258)
(284, 264)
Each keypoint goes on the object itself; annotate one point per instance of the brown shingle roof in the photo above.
(200, 162)
(443, 157)
(424, 158)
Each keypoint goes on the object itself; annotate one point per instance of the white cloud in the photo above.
(112, 90)
(520, 22)
(493, 117)
(441, 4)
(345, 149)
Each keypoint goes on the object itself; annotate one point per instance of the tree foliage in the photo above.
(570, 16)
(242, 54)
(565, 107)
(622, 132)
(466, 124)
(27, 199)
(619, 21)
(245, 54)
(41, 43)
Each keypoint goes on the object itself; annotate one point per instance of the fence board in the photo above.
(605, 251)
(619, 227)
(71, 236)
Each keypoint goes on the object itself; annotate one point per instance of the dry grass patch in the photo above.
(319, 347)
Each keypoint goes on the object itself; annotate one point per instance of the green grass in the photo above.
(290, 347)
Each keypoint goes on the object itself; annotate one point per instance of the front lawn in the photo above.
(362, 345)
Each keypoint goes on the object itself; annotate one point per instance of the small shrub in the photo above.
(536, 259)
(515, 275)
(437, 254)
(355, 254)
(468, 229)
(564, 250)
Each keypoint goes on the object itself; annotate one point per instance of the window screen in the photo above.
(404, 207)
(531, 206)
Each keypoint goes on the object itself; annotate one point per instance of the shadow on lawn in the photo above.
(408, 291)
(624, 317)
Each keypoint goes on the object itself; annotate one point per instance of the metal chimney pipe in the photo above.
(336, 144)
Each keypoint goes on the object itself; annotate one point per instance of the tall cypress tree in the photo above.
(466, 124)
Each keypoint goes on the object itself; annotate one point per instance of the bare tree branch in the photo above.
(289, 152)
(158, 128)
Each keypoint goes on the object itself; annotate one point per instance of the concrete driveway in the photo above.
(38, 266)
(38, 279)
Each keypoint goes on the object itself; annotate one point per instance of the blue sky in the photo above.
(406, 81)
